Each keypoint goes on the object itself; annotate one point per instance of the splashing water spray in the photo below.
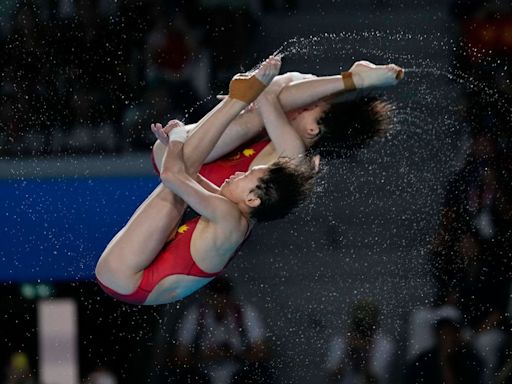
(330, 44)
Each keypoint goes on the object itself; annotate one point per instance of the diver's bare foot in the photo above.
(246, 87)
(268, 69)
(366, 74)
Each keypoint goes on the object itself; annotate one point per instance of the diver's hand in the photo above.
(162, 133)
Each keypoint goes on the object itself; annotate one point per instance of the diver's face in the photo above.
(240, 185)
(305, 121)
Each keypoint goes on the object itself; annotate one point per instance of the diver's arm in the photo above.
(176, 178)
(285, 138)
(207, 184)
(250, 122)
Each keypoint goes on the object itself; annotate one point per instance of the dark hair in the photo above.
(287, 183)
(348, 126)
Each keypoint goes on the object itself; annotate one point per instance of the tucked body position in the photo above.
(155, 260)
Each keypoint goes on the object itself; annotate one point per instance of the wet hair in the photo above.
(348, 126)
(286, 184)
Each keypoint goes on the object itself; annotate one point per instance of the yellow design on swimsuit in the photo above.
(249, 152)
(183, 228)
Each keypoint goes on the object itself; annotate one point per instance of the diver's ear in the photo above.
(252, 200)
(316, 162)
(313, 129)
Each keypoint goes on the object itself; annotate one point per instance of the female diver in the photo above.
(316, 121)
(141, 265)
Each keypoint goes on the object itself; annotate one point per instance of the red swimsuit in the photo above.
(175, 257)
(238, 160)
(166, 264)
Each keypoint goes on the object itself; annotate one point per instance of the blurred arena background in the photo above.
(402, 254)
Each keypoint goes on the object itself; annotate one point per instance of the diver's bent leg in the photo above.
(305, 92)
(243, 89)
(362, 75)
(242, 129)
(299, 94)
(136, 245)
(249, 124)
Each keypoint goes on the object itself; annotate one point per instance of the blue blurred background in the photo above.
(55, 228)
